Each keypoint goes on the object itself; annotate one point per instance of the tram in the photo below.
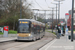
(29, 29)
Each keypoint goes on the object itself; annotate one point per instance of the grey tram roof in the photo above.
(32, 20)
(28, 19)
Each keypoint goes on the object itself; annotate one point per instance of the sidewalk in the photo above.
(59, 44)
(7, 39)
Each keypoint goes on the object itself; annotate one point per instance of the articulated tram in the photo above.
(29, 29)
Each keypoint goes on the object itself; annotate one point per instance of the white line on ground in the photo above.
(50, 44)
(47, 45)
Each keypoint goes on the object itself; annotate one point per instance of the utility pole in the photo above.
(59, 12)
(72, 20)
(35, 16)
(20, 9)
(56, 12)
(56, 15)
(45, 16)
(38, 13)
(52, 16)
(59, 9)
(52, 19)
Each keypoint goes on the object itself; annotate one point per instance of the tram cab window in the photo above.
(30, 27)
(23, 28)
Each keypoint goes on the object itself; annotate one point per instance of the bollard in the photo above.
(69, 37)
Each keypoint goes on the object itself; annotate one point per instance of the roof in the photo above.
(34, 21)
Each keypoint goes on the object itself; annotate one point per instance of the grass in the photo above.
(10, 32)
(50, 31)
(1, 33)
(46, 29)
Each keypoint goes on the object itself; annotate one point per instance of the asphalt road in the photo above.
(27, 45)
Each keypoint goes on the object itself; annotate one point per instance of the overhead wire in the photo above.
(38, 4)
(46, 3)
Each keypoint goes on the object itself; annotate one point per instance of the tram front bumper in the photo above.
(24, 38)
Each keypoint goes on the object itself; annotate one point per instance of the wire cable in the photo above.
(38, 4)
(46, 3)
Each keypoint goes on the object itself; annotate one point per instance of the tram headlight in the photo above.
(29, 34)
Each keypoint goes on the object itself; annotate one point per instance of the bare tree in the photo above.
(11, 11)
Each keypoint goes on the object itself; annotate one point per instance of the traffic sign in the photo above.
(67, 16)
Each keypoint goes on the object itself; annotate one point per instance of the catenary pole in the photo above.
(72, 21)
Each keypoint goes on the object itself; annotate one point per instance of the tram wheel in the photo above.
(34, 39)
(40, 38)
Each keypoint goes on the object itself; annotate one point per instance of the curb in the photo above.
(7, 40)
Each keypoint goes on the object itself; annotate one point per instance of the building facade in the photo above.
(69, 20)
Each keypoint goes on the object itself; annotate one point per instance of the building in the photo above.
(69, 20)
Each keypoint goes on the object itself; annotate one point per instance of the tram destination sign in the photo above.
(23, 22)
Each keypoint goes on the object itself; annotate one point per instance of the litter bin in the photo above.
(69, 37)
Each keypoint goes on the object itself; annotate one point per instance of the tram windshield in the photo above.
(23, 28)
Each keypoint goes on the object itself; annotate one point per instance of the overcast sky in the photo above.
(64, 8)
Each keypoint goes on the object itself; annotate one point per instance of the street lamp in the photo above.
(52, 19)
(58, 8)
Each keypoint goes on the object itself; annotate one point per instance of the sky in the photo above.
(45, 4)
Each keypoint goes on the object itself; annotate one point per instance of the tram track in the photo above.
(26, 45)
(13, 44)
(9, 44)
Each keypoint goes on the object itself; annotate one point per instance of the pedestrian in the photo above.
(62, 31)
(66, 33)
(59, 31)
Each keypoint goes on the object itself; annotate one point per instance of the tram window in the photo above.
(30, 27)
(35, 29)
(23, 28)
(38, 27)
